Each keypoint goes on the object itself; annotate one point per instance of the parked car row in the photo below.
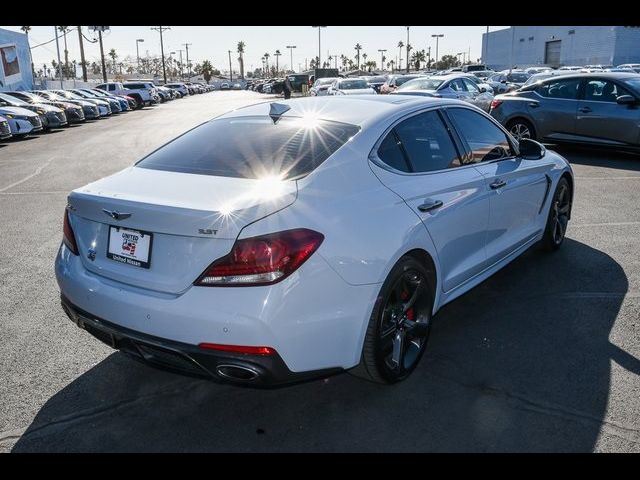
(27, 112)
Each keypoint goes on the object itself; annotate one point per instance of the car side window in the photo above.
(457, 86)
(427, 143)
(563, 89)
(486, 141)
(472, 87)
(603, 91)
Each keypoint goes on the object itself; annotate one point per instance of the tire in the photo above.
(521, 128)
(558, 218)
(390, 330)
(139, 102)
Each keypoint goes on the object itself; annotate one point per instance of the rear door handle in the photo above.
(430, 205)
(584, 110)
(534, 105)
(498, 184)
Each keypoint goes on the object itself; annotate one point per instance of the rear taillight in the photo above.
(68, 237)
(262, 260)
(495, 104)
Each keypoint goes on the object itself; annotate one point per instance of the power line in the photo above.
(50, 41)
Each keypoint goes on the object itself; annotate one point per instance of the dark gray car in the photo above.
(589, 108)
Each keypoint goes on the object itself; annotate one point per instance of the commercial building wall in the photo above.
(15, 61)
(579, 45)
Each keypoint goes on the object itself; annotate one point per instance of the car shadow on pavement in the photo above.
(599, 157)
(520, 363)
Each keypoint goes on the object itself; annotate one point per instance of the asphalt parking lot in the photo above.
(544, 356)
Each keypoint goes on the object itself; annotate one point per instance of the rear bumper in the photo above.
(313, 319)
(186, 359)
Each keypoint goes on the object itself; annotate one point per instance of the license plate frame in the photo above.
(128, 259)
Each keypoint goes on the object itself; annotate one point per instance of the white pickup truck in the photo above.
(144, 93)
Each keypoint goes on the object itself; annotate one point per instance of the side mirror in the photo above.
(482, 89)
(503, 81)
(626, 100)
(531, 150)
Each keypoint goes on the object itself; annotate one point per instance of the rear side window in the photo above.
(486, 141)
(390, 152)
(424, 143)
(564, 89)
(252, 147)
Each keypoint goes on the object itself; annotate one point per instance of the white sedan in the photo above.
(351, 86)
(296, 239)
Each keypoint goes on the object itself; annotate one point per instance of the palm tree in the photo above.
(207, 70)
(241, 46)
(66, 51)
(358, 47)
(277, 55)
(400, 45)
(345, 61)
(418, 57)
(391, 64)
(364, 57)
(113, 55)
(266, 61)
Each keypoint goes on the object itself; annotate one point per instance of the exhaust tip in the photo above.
(236, 372)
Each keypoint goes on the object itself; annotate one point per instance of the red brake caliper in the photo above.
(410, 312)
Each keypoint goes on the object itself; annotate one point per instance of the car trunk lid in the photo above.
(193, 219)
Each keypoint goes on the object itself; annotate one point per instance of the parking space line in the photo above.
(28, 177)
(635, 177)
(605, 224)
(34, 193)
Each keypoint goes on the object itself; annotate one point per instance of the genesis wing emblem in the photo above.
(116, 215)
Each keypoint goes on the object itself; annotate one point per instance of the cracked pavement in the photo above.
(544, 356)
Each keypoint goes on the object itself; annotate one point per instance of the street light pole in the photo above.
(291, 47)
(230, 71)
(486, 49)
(382, 58)
(319, 27)
(437, 36)
(138, 41)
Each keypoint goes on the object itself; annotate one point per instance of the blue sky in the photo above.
(212, 43)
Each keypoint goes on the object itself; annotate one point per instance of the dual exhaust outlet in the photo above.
(236, 372)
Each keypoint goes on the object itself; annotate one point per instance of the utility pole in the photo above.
(230, 70)
(181, 74)
(59, 62)
(382, 58)
(408, 47)
(162, 29)
(82, 62)
(104, 67)
(319, 27)
(186, 46)
(291, 47)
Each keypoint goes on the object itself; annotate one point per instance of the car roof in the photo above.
(352, 109)
(608, 75)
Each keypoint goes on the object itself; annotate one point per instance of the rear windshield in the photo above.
(252, 147)
(401, 80)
